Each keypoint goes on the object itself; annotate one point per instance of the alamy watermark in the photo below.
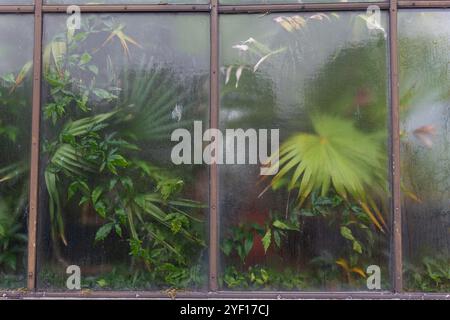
(236, 146)
(74, 280)
(74, 21)
(373, 281)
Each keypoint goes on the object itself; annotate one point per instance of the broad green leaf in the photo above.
(284, 226)
(277, 238)
(248, 245)
(96, 193)
(347, 233)
(267, 239)
(104, 231)
(227, 247)
(85, 58)
(357, 247)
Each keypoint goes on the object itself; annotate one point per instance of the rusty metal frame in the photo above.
(396, 247)
(214, 174)
(273, 295)
(16, 9)
(34, 165)
(438, 4)
(300, 7)
(131, 8)
(215, 10)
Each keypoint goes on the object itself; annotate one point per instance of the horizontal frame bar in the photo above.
(131, 8)
(423, 4)
(223, 295)
(262, 8)
(16, 9)
(303, 7)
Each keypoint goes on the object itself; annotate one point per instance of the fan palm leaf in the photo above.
(151, 96)
(339, 156)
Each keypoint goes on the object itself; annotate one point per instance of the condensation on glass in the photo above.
(112, 203)
(16, 69)
(425, 148)
(323, 221)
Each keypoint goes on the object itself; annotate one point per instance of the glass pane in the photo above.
(15, 135)
(112, 202)
(323, 219)
(425, 145)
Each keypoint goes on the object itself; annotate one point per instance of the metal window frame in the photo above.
(215, 10)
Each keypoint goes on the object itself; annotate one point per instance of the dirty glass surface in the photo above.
(16, 70)
(322, 220)
(425, 148)
(113, 205)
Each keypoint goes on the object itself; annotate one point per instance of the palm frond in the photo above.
(66, 158)
(147, 202)
(85, 125)
(13, 171)
(124, 39)
(56, 219)
(337, 155)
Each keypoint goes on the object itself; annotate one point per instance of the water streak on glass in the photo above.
(321, 78)
(111, 200)
(425, 148)
(16, 68)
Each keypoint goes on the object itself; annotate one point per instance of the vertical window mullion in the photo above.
(397, 271)
(213, 176)
(34, 167)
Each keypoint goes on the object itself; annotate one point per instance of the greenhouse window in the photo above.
(352, 97)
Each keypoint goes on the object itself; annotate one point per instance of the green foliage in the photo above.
(98, 161)
(13, 238)
(433, 274)
(15, 91)
(333, 273)
(336, 155)
(241, 238)
(121, 278)
(333, 162)
(261, 278)
(350, 220)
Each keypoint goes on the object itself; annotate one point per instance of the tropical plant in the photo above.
(262, 278)
(343, 146)
(433, 274)
(336, 156)
(13, 239)
(241, 238)
(350, 220)
(98, 161)
(332, 167)
(14, 139)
